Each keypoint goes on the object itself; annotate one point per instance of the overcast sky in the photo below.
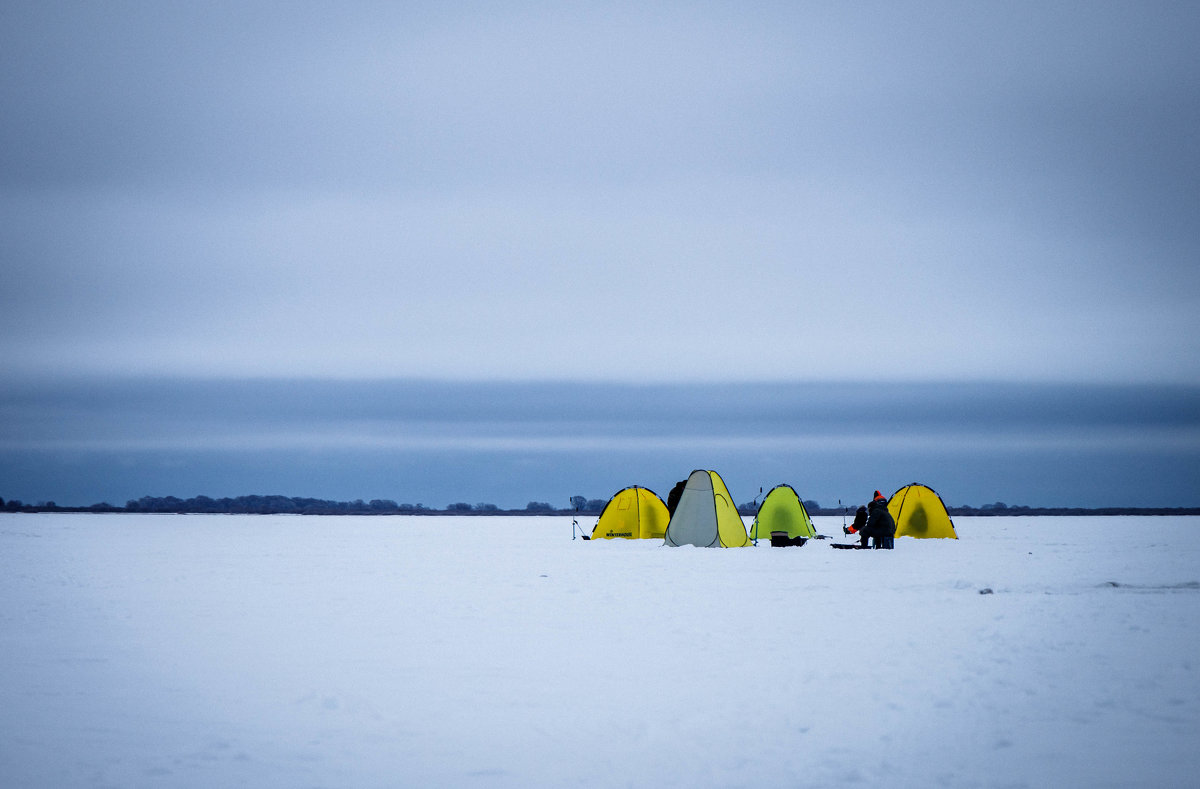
(852, 198)
(692, 191)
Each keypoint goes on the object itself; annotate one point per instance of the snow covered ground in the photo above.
(263, 651)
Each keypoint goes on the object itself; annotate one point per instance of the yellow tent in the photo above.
(633, 513)
(706, 515)
(919, 512)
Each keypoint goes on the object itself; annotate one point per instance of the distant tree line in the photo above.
(1017, 509)
(282, 505)
(1000, 508)
(291, 505)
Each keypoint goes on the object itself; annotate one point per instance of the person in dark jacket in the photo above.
(675, 495)
(860, 522)
(881, 527)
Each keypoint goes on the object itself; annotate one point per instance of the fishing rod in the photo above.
(754, 523)
(575, 523)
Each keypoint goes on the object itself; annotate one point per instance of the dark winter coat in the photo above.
(675, 495)
(879, 521)
(860, 520)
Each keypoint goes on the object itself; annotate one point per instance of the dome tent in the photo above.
(783, 511)
(706, 515)
(632, 513)
(919, 512)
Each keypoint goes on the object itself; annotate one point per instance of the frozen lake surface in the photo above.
(284, 651)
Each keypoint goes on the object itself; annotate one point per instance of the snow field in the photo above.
(197, 651)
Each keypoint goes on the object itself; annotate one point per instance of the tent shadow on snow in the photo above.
(706, 515)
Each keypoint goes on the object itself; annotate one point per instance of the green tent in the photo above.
(782, 511)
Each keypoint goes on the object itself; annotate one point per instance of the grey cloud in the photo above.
(429, 441)
(382, 189)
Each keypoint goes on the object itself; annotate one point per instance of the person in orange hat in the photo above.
(880, 526)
